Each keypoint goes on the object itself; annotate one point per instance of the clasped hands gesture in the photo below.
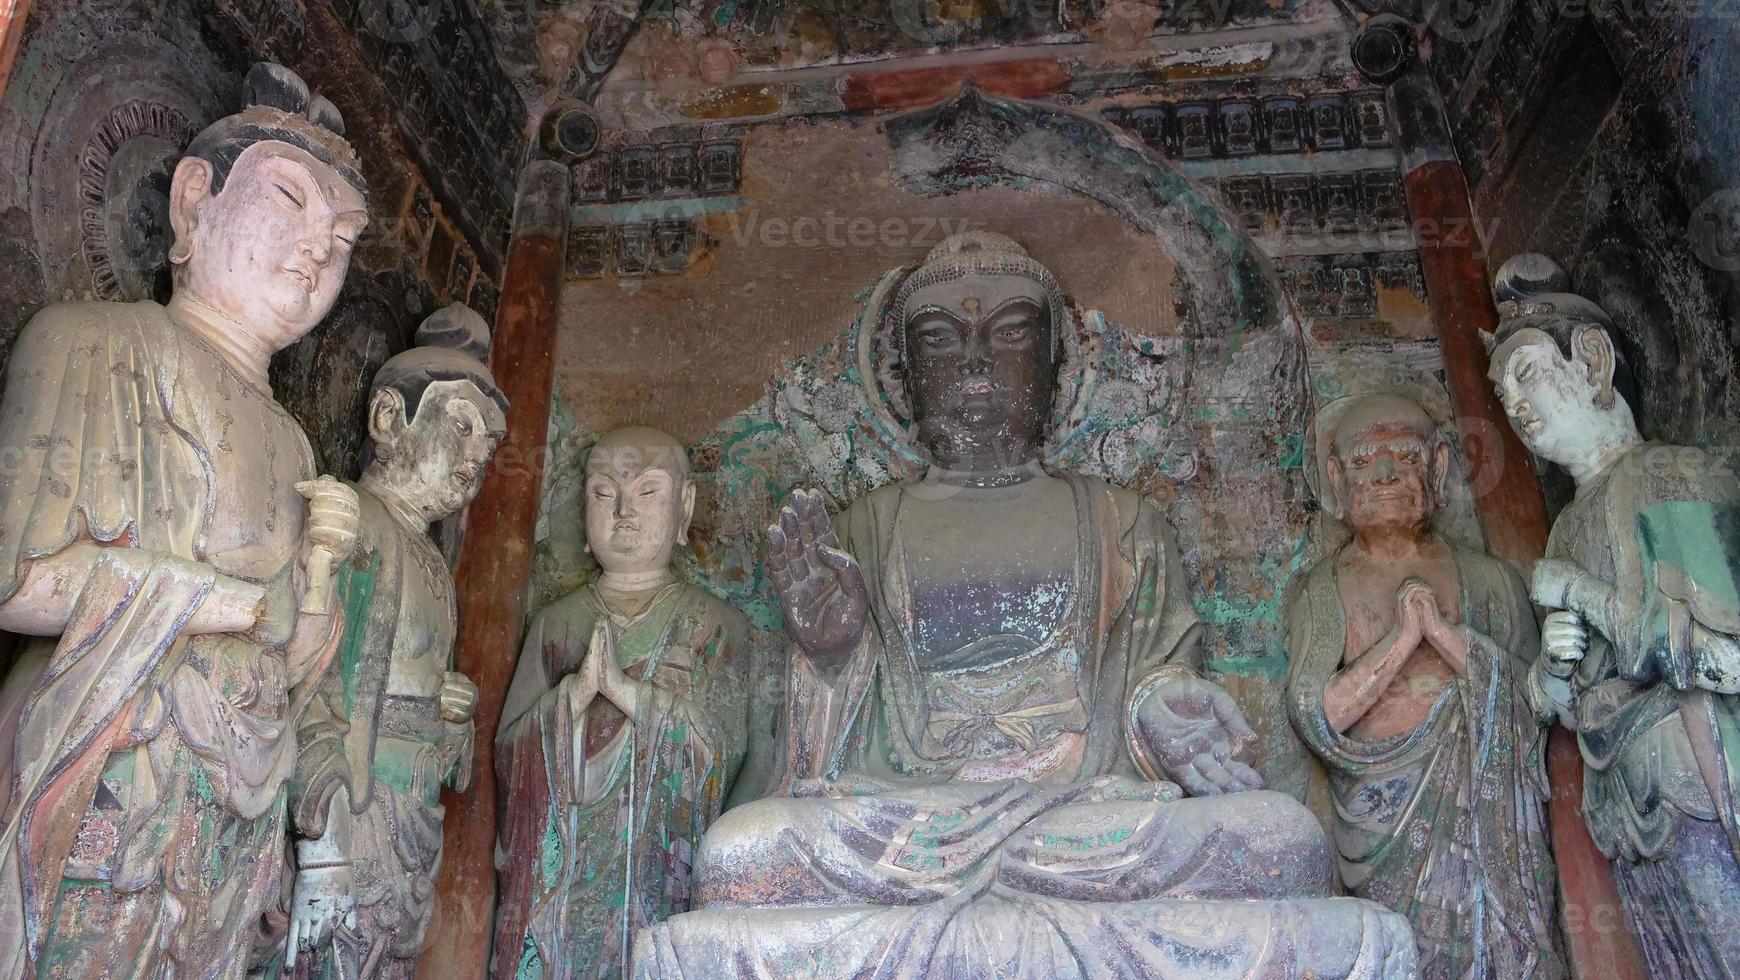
(1418, 618)
(601, 676)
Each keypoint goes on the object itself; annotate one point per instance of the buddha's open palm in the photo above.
(1196, 729)
(821, 588)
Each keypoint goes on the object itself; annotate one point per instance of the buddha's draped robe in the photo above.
(1445, 823)
(991, 810)
(144, 829)
(601, 817)
(1661, 778)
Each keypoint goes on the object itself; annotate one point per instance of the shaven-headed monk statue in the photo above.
(624, 728)
(155, 538)
(992, 704)
(1408, 678)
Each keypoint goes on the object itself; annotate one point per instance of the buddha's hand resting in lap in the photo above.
(1195, 729)
(821, 588)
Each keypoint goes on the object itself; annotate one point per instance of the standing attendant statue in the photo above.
(155, 538)
(1641, 654)
(623, 730)
(993, 710)
(1408, 679)
(393, 722)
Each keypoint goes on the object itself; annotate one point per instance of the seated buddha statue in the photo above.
(993, 713)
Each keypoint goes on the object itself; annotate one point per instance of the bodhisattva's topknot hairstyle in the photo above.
(277, 106)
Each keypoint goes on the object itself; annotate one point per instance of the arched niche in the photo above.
(1197, 395)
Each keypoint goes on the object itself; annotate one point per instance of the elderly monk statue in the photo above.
(992, 701)
(393, 723)
(1409, 660)
(623, 730)
(1641, 655)
(153, 535)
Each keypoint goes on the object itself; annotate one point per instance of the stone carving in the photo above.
(1339, 203)
(124, 175)
(392, 724)
(623, 730)
(1641, 654)
(93, 169)
(1408, 660)
(152, 518)
(982, 727)
(1235, 127)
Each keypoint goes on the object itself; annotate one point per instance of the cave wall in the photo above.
(1604, 135)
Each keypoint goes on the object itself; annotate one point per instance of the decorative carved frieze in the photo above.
(633, 249)
(1235, 127)
(1332, 203)
(1345, 287)
(673, 164)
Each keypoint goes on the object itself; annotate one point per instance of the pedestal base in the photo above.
(1021, 936)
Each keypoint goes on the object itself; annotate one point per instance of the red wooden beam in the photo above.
(495, 562)
(1512, 511)
(12, 17)
(910, 88)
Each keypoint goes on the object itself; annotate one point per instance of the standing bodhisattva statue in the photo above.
(992, 703)
(1408, 679)
(623, 730)
(393, 722)
(1641, 655)
(154, 535)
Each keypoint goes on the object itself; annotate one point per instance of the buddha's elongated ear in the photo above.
(190, 188)
(1593, 350)
(688, 512)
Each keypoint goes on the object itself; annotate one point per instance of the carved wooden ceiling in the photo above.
(570, 48)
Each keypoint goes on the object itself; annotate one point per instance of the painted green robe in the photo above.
(391, 753)
(599, 817)
(1447, 823)
(1661, 774)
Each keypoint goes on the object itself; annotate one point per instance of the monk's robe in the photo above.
(144, 829)
(983, 805)
(600, 816)
(1661, 778)
(376, 730)
(1446, 823)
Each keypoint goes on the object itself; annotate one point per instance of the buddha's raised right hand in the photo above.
(821, 588)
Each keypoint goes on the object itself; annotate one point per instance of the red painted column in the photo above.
(1501, 472)
(495, 562)
(12, 16)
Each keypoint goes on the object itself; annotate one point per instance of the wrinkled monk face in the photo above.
(1384, 477)
(637, 507)
(1550, 400)
(980, 368)
(272, 249)
(440, 457)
